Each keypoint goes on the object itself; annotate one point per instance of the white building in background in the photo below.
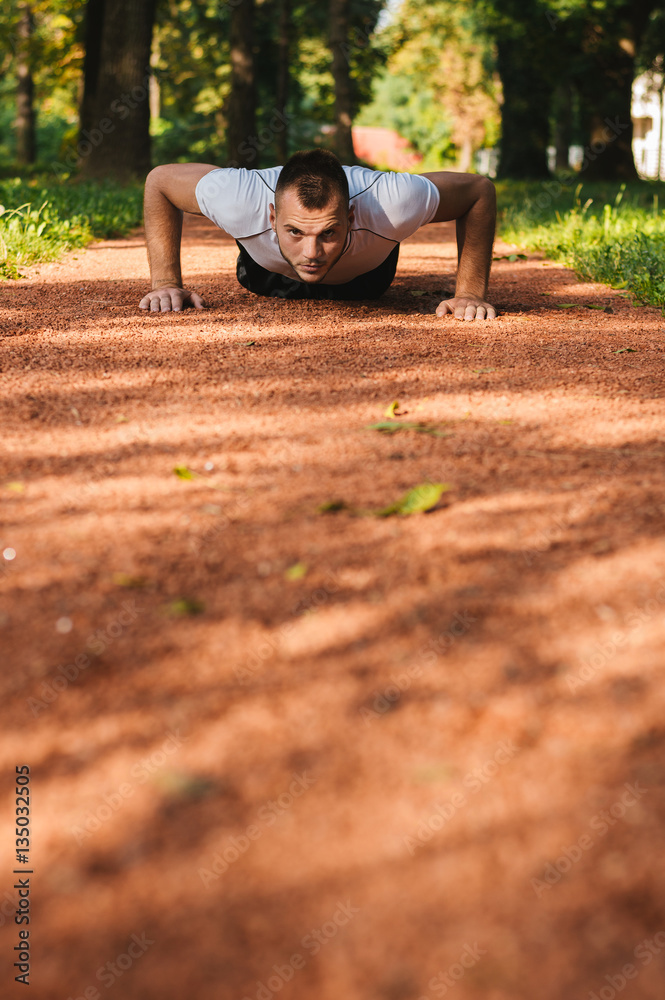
(648, 125)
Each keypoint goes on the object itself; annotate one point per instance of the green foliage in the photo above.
(39, 220)
(609, 233)
(438, 89)
(56, 54)
(192, 68)
(403, 103)
(419, 499)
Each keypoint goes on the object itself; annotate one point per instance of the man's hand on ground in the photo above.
(170, 299)
(466, 307)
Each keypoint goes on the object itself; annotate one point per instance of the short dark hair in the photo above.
(318, 177)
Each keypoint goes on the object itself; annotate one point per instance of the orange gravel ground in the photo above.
(429, 760)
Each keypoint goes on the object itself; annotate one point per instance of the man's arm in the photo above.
(170, 190)
(471, 200)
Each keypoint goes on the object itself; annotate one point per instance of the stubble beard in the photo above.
(314, 279)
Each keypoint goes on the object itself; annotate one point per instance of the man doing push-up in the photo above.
(315, 229)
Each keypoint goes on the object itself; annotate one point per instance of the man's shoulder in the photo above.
(237, 200)
(391, 204)
(365, 179)
(239, 181)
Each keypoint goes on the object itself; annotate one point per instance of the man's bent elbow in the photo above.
(486, 189)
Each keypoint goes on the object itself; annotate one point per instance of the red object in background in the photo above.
(383, 147)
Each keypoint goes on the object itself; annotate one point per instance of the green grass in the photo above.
(42, 218)
(609, 233)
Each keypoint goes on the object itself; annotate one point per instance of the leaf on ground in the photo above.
(184, 606)
(332, 507)
(391, 410)
(512, 257)
(566, 305)
(182, 472)
(211, 508)
(121, 419)
(506, 421)
(249, 343)
(296, 572)
(16, 487)
(177, 785)
(127, 580)
(419, 499)
(589, 305)
(625, 350)
(392, 426)
(418, 291)
(481, 370)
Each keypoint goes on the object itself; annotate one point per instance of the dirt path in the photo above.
(319, 755)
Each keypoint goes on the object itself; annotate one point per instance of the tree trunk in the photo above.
(605, 83)
(606, 93)
(339, 37)
(241, 117)
(465, 157)
(525, 125)
(563, 123)
(26, 149)
(116, 140)
(94, 23)
(283, 78)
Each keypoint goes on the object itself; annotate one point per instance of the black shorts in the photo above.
(370, 285)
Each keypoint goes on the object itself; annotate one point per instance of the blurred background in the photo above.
(511, 89)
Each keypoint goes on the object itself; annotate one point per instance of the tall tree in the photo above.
(339, 38)
(441, 54)
(116, 142)
(241, 113)
(527, 60)
(94, 24)
(285, 31)
(26, 148)
(610, 36)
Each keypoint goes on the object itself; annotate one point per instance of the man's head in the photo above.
(311, 214)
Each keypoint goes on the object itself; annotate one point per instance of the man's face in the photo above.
(310, 240)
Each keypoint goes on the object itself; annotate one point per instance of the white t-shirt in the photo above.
(388, 208)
